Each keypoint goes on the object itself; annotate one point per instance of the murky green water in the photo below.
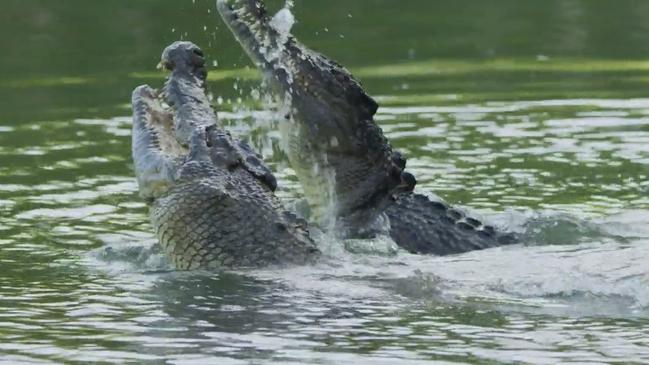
(535, 114)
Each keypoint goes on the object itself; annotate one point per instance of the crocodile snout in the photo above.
(182, 56)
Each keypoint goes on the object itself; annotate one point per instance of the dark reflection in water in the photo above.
(228, 302)
(77, 36)
(72, 60)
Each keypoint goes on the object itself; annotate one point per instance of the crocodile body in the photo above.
(211, 197)
(360, 180)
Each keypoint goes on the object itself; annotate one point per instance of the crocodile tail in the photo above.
(423, 226)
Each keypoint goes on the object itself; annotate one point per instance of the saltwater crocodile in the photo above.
(212, 200)
(335, 146)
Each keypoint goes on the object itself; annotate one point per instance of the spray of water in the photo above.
(283, 22)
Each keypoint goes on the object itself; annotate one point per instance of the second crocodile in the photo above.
(346, 165)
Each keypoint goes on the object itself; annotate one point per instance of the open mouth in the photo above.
(161, 122)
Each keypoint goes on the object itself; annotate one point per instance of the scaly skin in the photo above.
(424, 226)
(340, 155)
(330, 125)
(212, 201)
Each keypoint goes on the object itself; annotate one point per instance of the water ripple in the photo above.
(83, 281)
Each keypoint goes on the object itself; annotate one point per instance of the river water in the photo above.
(532, 115)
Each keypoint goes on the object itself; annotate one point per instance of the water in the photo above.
(533, 114)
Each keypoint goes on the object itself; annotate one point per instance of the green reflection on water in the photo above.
(79, 56)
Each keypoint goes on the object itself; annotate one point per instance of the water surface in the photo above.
(534, 115)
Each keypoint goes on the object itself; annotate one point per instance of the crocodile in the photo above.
(347, 167)
(211, 197)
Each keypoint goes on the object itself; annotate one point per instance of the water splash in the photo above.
(283, 22)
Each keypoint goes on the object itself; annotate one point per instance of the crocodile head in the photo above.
(184, 57)
(344, 162)
(162, 127)
(169, 124)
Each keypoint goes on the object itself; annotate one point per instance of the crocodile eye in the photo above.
(198, 52)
